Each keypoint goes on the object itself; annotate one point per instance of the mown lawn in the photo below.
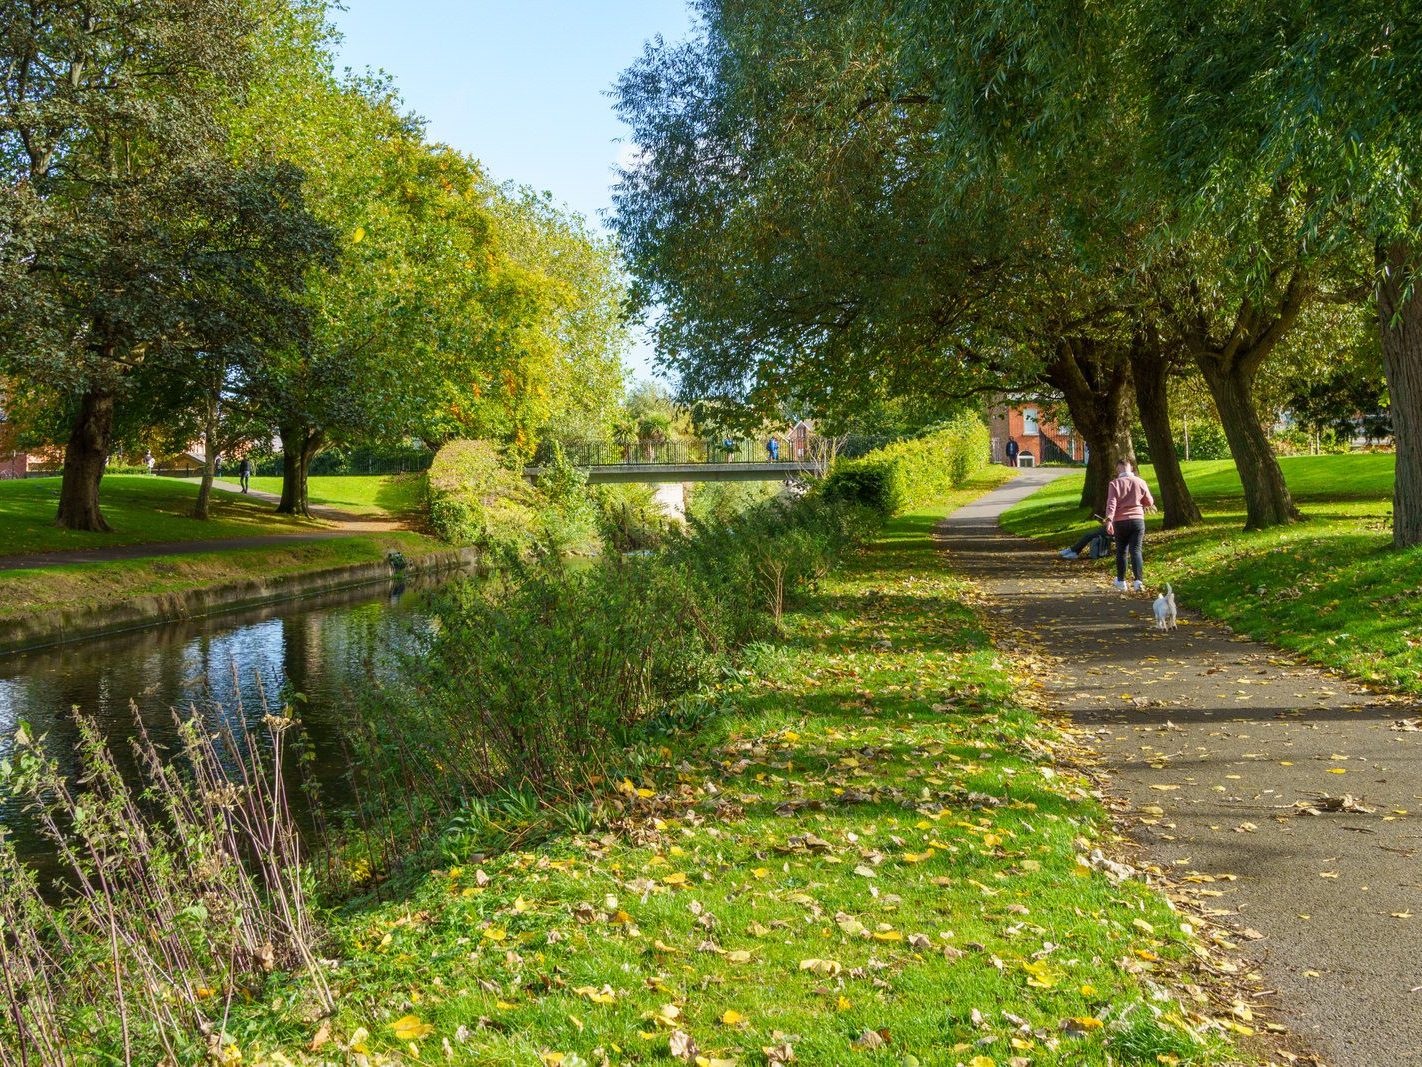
(400, 495)
(1331, 588)
(866, 851)
(141, 510)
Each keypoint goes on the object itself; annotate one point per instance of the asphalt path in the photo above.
(1221, 748)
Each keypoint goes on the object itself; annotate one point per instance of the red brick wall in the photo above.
(1010, 423)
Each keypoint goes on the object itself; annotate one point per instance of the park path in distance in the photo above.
(1216, 743)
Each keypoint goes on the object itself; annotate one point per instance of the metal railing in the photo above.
(791, 450)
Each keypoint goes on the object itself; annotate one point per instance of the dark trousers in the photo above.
(1130, 536)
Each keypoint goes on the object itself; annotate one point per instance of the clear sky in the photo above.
(519, 85)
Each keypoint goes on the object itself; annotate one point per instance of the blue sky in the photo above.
(521, 86)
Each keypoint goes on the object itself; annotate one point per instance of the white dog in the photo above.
(1165, 609)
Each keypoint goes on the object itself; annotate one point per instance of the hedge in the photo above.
(479, 497)
(912, 472)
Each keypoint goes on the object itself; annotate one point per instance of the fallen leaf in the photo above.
(410, 1028)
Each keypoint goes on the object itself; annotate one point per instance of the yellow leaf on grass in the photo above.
(888, 935)
(982, 1061)
(740, 955)
(504, 1005)
(605, 995)
(675, 878)
(731, 1017)
(358, 236)
(1041, 974)
(760, 872)
(823, 968)
(410, 1028)
(494, 933)
(1086, 1022)
(917, 857)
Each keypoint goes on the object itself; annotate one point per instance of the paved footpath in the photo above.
(1220, 746)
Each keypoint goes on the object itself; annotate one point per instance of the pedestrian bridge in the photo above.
(654, 473)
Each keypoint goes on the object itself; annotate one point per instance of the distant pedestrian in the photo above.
(1012, 449)
(729, 447)
(1127, 499)
(148, 461)
(244, 472)
(772, 449)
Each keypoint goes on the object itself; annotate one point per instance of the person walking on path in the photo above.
(1012, 449)
(1127, 499)
(772, 449)
(244, 471)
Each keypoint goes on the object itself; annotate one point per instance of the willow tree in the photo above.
(1321, 97)
(793, 221)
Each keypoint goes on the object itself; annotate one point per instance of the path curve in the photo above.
(1212, 740)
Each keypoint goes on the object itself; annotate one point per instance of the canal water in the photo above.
(319, 654)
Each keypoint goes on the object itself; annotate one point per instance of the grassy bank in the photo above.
(140, 509)
(864, 849)
(398, 495)
(1331, 588)
(83, 585)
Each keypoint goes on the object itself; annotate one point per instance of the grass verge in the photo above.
(398, 495)
(82, 585)
(140, 509)
(865, 850)
(1331, 588)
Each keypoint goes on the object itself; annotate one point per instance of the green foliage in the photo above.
(1207, 441)
(629, 517)
(907, 473)
(713, 503)
(567, 513)
(478, 496)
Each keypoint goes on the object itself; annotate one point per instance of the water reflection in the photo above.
(319, 654)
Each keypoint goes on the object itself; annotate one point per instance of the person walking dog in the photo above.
(1127, 499)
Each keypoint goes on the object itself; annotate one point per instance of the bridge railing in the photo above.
(792, 450)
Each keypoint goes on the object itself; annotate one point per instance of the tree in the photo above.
(113, 178)
(1322, 97)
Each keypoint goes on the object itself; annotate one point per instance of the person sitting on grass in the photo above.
(1098, 540)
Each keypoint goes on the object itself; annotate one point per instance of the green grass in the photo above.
(1331, 588)
(867, 792)
(79, 586)
(140, 509)
(400, 495)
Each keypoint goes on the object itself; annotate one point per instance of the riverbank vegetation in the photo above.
(71, 591)
(1331, 588)
(849, 839)
(781, 743)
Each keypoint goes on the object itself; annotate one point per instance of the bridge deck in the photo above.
(690, 472)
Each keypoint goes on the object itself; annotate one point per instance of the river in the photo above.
(315, 652)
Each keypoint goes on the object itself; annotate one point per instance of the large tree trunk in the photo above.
(1266, 497)
(299, 446)
(202, 508)
(84, 458)
(1095, 381)
(1400, 318)
(1150, 371)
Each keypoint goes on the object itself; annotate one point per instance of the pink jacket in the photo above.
(1127, 497)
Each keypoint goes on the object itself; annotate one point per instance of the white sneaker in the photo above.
(1067, 553)
(1119, 586)
(1138, 586)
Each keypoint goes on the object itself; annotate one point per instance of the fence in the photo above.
(790, 450)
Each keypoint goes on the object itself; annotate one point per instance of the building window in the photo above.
(1029, 422)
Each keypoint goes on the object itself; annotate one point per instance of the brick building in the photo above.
(1036, 434)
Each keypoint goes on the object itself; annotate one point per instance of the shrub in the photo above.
(629, 517)
(477, 496)
(911, 472)
(724, 502)
(567, 512)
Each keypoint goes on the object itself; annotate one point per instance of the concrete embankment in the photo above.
(61, 625)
